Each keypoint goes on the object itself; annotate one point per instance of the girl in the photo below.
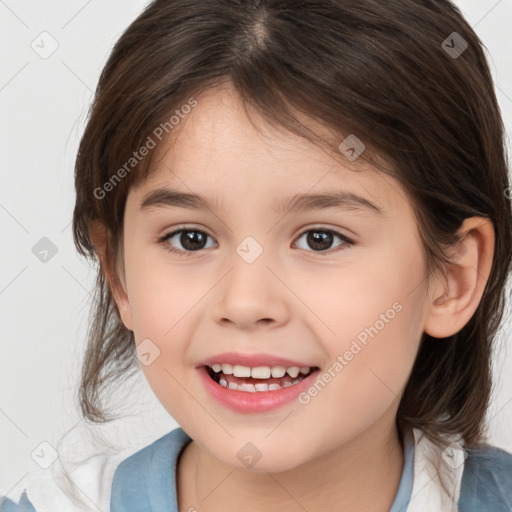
(302, 215)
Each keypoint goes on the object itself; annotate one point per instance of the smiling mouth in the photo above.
(254, 385)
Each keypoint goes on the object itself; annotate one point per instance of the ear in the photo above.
(458, 294)
(116, 282)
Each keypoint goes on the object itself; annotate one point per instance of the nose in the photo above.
(252, 296)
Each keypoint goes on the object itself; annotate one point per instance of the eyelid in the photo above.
(347, 241)
(319, 226)
(325, 227)
(184, 227)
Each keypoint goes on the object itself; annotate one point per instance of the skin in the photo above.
(341, 451)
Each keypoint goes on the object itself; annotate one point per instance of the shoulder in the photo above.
(487, 480)
(166, 448)
(23, 505)
(78, 480)
(118, 478)
(143, 480)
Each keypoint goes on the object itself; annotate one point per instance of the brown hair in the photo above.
(375, 69)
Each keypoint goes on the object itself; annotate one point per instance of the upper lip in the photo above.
(252, 360)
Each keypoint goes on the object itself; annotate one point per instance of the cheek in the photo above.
(363, 380)
(161, 294)
(162, 300)
(351, 300)
(374, 314)
(169, 387)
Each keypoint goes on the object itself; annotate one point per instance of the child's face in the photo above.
(306, 297)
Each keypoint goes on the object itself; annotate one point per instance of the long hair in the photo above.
(409, 77)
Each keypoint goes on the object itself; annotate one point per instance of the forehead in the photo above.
(220, 153)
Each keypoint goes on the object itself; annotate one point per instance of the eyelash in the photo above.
(184, 253)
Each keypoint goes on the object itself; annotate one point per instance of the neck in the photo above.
(362, 475)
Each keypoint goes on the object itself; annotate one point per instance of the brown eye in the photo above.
(321, 240)
(191, 240)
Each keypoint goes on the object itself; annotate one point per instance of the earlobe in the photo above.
(99, 233)
(456, 298)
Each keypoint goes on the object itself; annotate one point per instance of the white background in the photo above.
(44, 306)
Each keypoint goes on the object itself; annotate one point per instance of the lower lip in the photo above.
(259, 401)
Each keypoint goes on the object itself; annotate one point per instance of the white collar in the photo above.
(430, 463)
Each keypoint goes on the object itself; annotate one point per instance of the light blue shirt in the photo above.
(146, 480)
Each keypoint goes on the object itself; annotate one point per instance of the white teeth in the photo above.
(278, 371)
(241, 371)
(247, 387)
(255, 388)
(293, 371)
(260, 372)
(227, 369)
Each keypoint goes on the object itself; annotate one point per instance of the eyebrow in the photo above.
(167, 197)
